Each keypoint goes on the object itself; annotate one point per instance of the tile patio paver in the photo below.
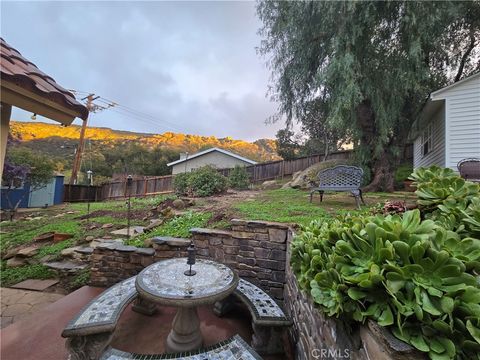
(18, 304)
(33, 284)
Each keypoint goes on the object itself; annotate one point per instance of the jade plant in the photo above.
(416, 273)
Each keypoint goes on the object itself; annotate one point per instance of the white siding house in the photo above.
(216, 157)
(449, 128)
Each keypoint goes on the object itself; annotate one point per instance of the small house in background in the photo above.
(51, 194)
(216, 157)
(449, 127)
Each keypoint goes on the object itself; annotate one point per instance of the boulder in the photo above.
(152, 225)
(189, 202)
(15, 262)
(179, 204)
(28, 251)
(270, 185)
(107, 226)
(167, 213)
(148, 243)
(69, 252)
(302, 179)
(10, 254)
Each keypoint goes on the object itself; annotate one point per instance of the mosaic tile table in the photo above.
(165, 283)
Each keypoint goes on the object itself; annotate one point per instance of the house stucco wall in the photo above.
(437, 155)
(215, 159)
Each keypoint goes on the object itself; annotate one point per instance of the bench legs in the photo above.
(268, 339)
(319, 191)
(144, 307)
(358, 197)
(88, 347)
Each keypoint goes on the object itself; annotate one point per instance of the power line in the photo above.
(146, 120)
(140, 114)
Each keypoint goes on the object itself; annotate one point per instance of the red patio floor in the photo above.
(38, 337)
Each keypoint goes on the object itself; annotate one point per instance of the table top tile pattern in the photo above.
(234, 348)
(166, 279)
(265, 307)
(106, 307)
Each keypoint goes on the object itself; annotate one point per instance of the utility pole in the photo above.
(78, 154)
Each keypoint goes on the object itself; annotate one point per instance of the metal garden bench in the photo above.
(268, 318)
(469, 169)
(340, 178)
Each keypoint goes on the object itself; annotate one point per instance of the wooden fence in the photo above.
(82, 193)
(164, 184)
(258, 173)
(140, 187)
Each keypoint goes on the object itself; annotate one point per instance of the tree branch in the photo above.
(466, 55)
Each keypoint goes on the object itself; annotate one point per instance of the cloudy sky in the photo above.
(187, 67)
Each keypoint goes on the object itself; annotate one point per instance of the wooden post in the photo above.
(6, 111)
(78, 156)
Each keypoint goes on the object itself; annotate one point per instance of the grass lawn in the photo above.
(293, 206)
(283, 205)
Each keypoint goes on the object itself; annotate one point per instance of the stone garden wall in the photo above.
(255, 249)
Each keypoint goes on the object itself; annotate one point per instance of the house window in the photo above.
(427, 140)
(15, 183)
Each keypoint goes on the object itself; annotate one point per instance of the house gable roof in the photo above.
(201, 153)
(434, 95)
(434, 103)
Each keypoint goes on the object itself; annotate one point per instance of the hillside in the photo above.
(108, 152)
(52, 139)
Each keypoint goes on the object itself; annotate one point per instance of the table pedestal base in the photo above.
(185, 334)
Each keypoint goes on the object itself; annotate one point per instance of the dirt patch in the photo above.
(134, 214)
(165, 204)
(225, 200)
(220, 215)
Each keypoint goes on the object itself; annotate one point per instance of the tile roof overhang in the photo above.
(25, 86)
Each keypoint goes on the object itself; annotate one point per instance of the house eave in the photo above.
(201, 153)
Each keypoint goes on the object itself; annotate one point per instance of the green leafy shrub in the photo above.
(201, 182)
(207, 181)
(419, 277)
(180, 183)
(238, 178)
(401, 174)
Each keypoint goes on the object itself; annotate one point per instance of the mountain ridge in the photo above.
(49, 138)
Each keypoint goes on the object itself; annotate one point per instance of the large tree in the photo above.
(374, 62)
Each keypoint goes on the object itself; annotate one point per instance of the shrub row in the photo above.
(417, 273)
(207, 181)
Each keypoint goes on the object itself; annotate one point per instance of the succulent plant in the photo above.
(417, 272)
